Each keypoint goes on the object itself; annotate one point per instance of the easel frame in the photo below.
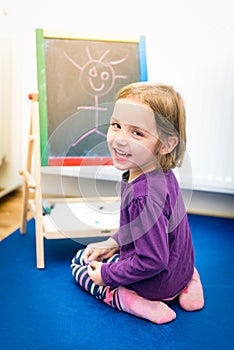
(32, 182)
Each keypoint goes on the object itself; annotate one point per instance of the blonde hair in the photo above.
(169, 111)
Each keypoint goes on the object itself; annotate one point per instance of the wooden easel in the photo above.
(32, 182)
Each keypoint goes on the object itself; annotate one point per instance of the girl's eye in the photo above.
(137, 133)
(115, 125)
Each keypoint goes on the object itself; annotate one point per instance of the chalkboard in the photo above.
(78, 79)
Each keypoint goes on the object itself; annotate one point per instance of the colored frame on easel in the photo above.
(78, 78)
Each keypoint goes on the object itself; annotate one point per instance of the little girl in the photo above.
(150, 259)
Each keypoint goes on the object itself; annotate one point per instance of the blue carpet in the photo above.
(44, 309)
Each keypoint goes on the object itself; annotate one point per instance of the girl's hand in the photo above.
(94, 271)
(100, 250)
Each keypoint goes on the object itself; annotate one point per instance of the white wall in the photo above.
(190, 44)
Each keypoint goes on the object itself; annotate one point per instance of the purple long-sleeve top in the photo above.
(156, 251)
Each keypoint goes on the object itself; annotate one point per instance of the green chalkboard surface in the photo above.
(77, 82)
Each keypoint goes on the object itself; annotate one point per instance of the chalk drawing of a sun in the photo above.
(97, 78)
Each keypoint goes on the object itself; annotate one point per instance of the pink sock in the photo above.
(154, 311)
(192, 298)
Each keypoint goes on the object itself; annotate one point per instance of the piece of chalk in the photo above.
(88, 262)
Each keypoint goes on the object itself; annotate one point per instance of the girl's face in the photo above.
(133, 138)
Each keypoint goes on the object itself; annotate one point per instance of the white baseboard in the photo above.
(211, 203)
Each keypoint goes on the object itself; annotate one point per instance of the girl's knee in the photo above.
(78, 258)
(79, 273)
(77, 264)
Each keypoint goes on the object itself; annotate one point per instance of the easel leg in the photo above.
(39, 243)
(27, 175)
(38, 193)
(34, 183)
(23, 227)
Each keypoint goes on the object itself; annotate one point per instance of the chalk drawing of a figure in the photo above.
(97, 79)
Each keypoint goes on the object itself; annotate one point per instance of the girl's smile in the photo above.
(121, 155)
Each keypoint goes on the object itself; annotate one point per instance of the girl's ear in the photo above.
(168, 145)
